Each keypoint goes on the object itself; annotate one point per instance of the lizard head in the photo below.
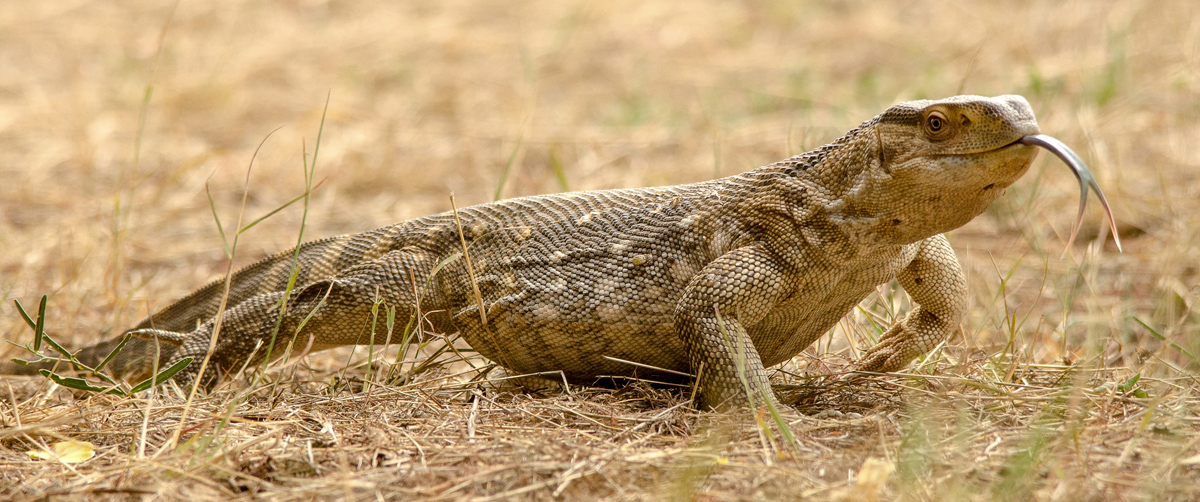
(939, 164)
(915, 134)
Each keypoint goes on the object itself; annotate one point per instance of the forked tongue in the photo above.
(1082, 174)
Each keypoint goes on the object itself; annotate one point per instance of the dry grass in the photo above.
(431, 98)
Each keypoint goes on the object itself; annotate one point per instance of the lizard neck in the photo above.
(851, 190)
(829, 197)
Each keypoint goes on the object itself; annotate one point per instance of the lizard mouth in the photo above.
(1082, 174)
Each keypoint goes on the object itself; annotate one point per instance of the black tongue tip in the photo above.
(1084, 176)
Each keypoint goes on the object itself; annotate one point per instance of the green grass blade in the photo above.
(162, 376)
(114, 351)
(779, 420)
(508, 167)
(80, 384)
(739, 358)
(142, 112)
(391, 318)
(1129, 384)
(212, 206)
(285, 205)
(278, 209)
(24, 315)
(320, 133)
(1174, 345)
(449, 259)
(311, 313)
(66, 353)
(41, 325)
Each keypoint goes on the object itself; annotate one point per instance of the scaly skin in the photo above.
(779, 254)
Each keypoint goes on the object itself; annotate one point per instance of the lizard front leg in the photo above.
(732, 292)
(936, 284)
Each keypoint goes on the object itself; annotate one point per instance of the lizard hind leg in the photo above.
(320, 315)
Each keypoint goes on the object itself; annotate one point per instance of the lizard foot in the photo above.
(895, 349)
(193, 345)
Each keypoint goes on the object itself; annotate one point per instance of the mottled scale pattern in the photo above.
(720, 279)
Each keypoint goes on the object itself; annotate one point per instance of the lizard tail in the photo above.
(134, 362)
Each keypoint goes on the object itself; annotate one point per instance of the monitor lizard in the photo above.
(718, 279)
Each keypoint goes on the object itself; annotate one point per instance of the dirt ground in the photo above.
(1072, 378)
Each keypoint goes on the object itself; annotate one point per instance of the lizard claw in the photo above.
(885, 356)
(1082, 174)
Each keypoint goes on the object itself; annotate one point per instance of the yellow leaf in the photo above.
(69, 452)
(872, 477)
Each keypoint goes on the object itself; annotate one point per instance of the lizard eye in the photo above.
(937, 126)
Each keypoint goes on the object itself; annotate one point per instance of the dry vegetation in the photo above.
(103, 207)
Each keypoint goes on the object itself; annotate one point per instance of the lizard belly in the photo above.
(576, 338)
(790, 329)
(820, 302)
(572, 317)
(567, 319)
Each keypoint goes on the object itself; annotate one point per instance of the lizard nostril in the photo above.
(990, 186)
(895, 222)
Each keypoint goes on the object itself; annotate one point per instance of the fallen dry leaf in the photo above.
(69, 452)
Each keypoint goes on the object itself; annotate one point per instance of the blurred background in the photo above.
(114, 116)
